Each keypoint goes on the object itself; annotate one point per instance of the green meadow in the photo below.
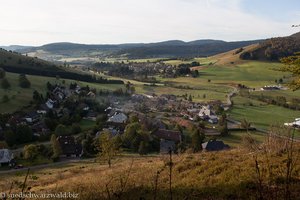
(261, 115)
(19, 97)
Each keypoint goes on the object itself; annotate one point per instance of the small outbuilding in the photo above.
(6, 157)
(214, 145)
(168, 140)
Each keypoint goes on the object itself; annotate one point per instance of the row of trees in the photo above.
(18, 135)
(275, 100)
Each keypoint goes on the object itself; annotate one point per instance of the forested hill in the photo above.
(17, 63)
(274, 48)
(190, 49)
(169, 49)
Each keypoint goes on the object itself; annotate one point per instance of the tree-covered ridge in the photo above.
(17, 63)
(292, 65)
(273, 49)
(165, 49)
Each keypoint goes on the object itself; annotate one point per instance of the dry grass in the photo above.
(218, 175)
(230, 57)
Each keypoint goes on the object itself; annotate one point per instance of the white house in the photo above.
(50, 103)
(296, 123)
(32, 117)
(6, 156)
(207, 114)
(118, 118)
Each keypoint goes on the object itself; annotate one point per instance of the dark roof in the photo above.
(43, 107)
(168, 135)
(69, 146)
(92, 114)
(32, 114)
(214, 145)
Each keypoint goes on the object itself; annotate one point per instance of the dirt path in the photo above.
(229, 96)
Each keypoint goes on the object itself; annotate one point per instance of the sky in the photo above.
(38, 22)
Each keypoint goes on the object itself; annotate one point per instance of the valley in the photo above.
(133, 121)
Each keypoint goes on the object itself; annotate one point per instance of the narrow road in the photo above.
(229, 96)
(75, 160)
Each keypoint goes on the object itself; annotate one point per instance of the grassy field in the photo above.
(288, 94)
(20, 97)
(86, 124)
(261, 114)
(234, 139)
(252, 74)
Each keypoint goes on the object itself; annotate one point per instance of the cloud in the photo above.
(118, 21)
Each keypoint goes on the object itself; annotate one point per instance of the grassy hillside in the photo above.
(218, 175)
(9, 59)
(20, 97)
(232, 57)
(17, 63)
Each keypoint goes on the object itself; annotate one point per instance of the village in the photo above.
(166, 122)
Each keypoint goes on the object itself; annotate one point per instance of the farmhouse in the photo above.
(6, 157)
(271, 87)
(214, 145)
(69, 147)
(206, 113)
(168, 140)
(91, 115)
(43, 109)
(119, 118)
(50, 103)
(32, 117)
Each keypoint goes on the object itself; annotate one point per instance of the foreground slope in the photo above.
(220, 175)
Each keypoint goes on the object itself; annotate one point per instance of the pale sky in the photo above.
(37, 22)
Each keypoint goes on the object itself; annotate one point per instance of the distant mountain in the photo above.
(188, 49)
(274, 48)
(15, 47)
(169, 49)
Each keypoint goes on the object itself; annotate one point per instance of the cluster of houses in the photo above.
(165, 102)
(170, 103)
(117, 119)
(54, 102)
(271, 87)
(152, 68)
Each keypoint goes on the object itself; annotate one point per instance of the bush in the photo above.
(5, 99)
(75, 129)
(23, 81)
(30, 152)
(2, 73)
(61, 130)
(5, 84)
